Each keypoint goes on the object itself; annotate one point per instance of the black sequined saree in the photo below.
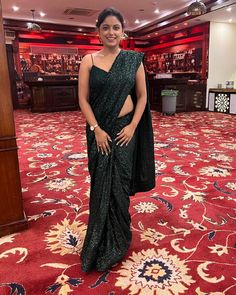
(126, 170)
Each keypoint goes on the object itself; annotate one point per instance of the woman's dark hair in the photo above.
(107, 12)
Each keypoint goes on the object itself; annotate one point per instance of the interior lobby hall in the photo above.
(184, 229)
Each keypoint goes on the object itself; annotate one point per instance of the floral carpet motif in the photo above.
(184, 230)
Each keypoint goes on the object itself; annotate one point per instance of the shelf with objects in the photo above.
(179, 65)
(51, 75)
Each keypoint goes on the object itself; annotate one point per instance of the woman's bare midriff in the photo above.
(127, 107)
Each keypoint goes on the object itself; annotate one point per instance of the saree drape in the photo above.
(126, 170)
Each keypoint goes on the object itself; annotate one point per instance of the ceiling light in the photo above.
(42, 14)
(33, 27)
(197, 8)
(137, 21)
(176, 27)
(15, 8)
(185, 24)
(230, 20)
(157, 10)
(229, 9)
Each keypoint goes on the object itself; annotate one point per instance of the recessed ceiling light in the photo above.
(52, 31)
(185, 24)
(156, 33)
(15, 8)
(149, 36)
(157, 10)
(80, 30)
(229, 9)
(42, 14)
(84, 34)
(176, 27)
(137, 21)
(230, 20)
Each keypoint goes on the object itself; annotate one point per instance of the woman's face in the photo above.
(110, 31)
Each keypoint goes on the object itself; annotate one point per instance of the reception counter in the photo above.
(53, 95)
(191, 93)
(222, 100)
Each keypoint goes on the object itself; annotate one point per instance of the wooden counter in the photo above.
(222, 100)
(191, 96)
(53, 95)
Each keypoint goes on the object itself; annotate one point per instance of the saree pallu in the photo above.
(116, 176)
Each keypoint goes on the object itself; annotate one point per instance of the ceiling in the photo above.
(171, 14)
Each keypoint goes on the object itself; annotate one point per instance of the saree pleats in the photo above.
(108, 236)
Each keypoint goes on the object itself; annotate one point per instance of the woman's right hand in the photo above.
(102, 139)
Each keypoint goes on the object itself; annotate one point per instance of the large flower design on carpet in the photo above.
(152, 272)
(145, 207)
(214, 171)
(221, 157)
(228, 145)
(60, 184)
(66, 238)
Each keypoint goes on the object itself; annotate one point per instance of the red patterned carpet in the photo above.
(184, 231)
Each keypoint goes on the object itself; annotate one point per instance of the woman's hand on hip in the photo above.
(125, 135)
(102, 139)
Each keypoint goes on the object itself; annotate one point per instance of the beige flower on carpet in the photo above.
(60, 184)
(46, 166)
(29, 134)
(152, 236)
(191, 133)
(152, 272)
(40, 144)
(160, 165)
(231, 185)
(145, 207)
(221, 157)
(66, 238)
(64, 136)
(230, 146)
(214, 171)
(168, 179)
(219, 249)
(195, 196)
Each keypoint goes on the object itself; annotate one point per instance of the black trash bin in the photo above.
(169, 98)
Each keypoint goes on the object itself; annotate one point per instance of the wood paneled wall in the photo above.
(12, 217)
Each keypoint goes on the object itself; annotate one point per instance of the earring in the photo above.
(124, 36)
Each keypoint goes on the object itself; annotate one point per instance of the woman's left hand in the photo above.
(125, 135)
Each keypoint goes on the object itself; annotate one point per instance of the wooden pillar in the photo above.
(12, 217)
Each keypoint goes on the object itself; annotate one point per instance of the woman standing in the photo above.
(113, 98)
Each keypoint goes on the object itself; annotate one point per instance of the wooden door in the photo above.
(12, 217)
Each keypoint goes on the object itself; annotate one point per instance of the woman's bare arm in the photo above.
(141, 93)
(126, 134)
(101, 136)
(84, 91)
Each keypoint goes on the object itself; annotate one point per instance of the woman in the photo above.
(113, 98)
